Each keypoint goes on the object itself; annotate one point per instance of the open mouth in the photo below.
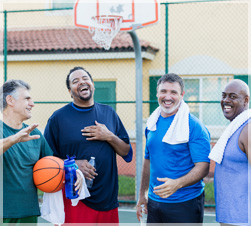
(227, 108)
(84, 88)
(167, 103)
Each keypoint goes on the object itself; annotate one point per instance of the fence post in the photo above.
(5, 46)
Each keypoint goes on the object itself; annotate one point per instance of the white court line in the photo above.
(130, 210)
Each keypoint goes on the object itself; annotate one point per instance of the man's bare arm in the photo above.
(244, 142)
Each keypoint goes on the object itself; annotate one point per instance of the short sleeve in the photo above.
(199, 141)
(50, 134)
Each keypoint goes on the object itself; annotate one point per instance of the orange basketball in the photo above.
(48, 174)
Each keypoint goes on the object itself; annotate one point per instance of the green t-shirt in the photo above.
(19, 192)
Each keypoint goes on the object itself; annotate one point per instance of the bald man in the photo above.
(231, 174)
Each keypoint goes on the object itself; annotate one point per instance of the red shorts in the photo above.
(84, 214)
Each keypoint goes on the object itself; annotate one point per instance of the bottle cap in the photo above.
(142, 206)
(92, 157)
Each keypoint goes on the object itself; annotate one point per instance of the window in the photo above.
(59, 4)
(207, 88)
(105, 92)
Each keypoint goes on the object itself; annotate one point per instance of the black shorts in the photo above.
(190, 211)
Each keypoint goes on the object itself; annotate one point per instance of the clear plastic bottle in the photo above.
(143, 219)
(89, 183)
(70, 177)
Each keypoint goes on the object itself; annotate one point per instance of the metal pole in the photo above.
(138, 61)
(166, 64)
(5, 46)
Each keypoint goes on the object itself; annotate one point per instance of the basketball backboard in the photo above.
(136, 13)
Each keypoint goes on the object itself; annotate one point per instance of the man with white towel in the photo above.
(232, 171)
(176, 159)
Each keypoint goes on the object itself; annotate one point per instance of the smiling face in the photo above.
(169, 98)
(23, 104)
(81, 88)
(234, 100)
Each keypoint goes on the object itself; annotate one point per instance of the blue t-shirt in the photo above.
(175, 161)
(63, 133)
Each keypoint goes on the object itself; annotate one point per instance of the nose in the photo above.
(31, 103)
(226, 98)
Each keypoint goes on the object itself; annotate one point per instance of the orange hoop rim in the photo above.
(108, 17)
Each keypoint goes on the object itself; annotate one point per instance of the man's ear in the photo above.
(246, 100)
(69, 90)
(10, 100)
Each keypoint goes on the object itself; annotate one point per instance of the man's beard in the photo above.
(86, 98)
(83, 98)
(171, 110)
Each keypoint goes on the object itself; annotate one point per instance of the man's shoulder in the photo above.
(103, 107)
(194, 121)
(196, 125)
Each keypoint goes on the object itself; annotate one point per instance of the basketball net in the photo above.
(105, 29)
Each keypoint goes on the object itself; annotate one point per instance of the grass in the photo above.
(209, 193)
(126, 185)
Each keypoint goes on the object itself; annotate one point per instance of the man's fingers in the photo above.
(33, 126)
(34, 137)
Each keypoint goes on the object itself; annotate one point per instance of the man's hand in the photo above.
(97, 132)
(166, 189)
(87, 169)
(142, 200)
(79, 183)
(24, 134)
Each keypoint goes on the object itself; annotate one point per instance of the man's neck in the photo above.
(12, 120)
(84, 103)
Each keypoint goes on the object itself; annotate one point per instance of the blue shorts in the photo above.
(190, 211)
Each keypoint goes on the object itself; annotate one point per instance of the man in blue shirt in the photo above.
(173, 168)
(88, 129)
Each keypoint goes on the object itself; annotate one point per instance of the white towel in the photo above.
(52, 208)
(178, 132)
(217, 152)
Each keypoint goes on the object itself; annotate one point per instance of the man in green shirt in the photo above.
(21, 146)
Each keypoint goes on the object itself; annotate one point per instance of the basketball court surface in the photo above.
(128, 216)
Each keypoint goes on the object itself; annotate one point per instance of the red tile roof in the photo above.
(66, 40)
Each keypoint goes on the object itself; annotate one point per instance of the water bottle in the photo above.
(89, 183)
(143, 219)
(70, 177)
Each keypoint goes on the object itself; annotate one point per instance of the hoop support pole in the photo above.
(139, 134)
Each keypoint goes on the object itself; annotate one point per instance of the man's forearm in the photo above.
(120, 147)
(6, 143)
(145, 178)
(200, 170)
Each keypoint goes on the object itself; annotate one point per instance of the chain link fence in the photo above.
(204, 42)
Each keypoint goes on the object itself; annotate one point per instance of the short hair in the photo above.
(171, 78)
(75, 69)
(10, 88)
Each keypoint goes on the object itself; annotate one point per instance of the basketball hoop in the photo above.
(105, 29)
